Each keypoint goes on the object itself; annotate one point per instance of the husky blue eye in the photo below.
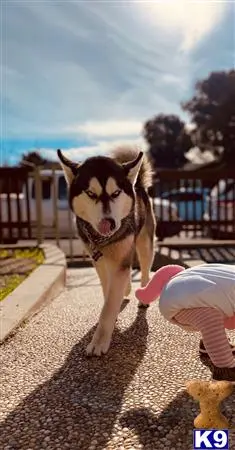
(116, 193)
(92, 195)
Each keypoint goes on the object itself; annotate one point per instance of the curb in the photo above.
(39, 288)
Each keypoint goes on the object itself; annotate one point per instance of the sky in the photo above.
(84, 76)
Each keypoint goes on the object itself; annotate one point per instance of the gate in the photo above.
(205, 201)
(15, 220)
(34, 206)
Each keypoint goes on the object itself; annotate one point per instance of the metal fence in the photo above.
(15, 220)
(33, 205)
(205, 201)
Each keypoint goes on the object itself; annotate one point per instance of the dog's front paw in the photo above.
(99, 344)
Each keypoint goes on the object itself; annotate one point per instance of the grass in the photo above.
(11, 281)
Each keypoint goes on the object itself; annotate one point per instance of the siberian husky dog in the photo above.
(114, 218)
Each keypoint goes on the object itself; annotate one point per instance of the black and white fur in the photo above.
(115, 189)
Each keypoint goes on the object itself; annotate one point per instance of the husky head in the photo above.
(101, 191)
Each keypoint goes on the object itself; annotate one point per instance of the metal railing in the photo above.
(15, 218)
(204, 201)
(27, 212)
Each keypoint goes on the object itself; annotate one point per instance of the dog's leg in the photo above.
(128, 289)
(117, 259)
(102, 337)
(145, 253)
(102, 270)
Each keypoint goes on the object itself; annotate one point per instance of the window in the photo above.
(46, 189)
(62, 187)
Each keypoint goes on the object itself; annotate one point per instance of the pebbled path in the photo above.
(53, 397)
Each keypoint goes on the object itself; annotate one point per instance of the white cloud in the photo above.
(99, 69)
(101, 148)
(169, 78)
(192, 19)
(56, 78)
(107, 128)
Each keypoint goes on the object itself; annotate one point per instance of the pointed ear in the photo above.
(70, 168)
(132, 168)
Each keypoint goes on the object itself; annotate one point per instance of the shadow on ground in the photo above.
(152, 428)
(79, 406)
(80, 403)
(173, 426)
(215, 254)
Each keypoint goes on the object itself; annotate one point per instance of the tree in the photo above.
(212, 109)
(168, 140)
(33, 158)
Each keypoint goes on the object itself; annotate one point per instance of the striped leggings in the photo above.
(210, 322)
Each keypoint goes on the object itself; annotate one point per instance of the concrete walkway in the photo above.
(53, 397)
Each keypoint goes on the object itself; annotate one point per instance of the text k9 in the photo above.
(212, 439)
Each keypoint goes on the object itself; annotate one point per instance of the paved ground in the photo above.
(53, 397)
(212, 252)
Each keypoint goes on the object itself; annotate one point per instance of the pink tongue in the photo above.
(104, 226)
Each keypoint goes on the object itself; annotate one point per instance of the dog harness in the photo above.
(96, 242)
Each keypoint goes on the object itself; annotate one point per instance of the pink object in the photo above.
(153, 289)
(229, 323)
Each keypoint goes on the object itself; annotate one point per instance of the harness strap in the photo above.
(94, 242)
(96, 255)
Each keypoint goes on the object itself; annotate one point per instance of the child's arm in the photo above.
(229, 323)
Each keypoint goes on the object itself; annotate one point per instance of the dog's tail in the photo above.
(125, 154)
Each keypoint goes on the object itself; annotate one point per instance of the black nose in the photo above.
(112, 223)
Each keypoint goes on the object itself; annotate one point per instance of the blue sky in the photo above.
(85, 75)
